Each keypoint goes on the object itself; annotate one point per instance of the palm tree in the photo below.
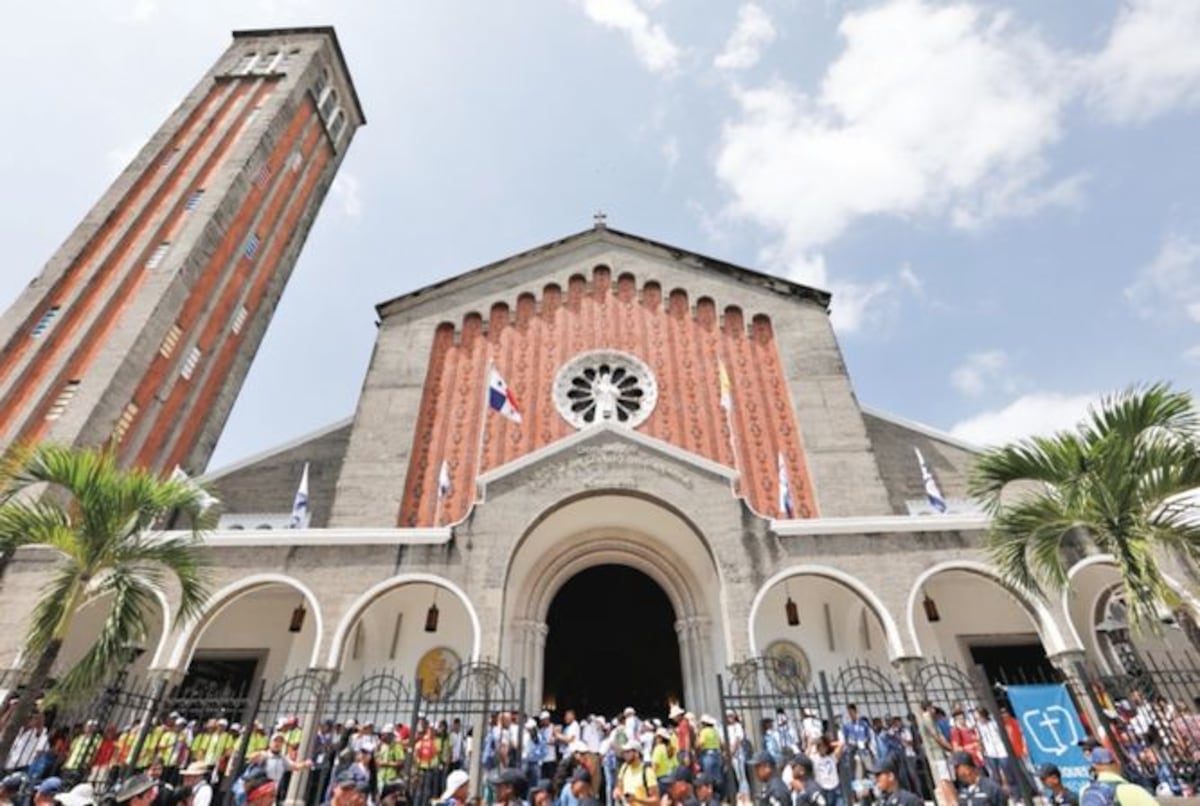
(105, 522)
(1119, 481)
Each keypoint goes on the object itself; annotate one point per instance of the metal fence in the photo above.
(132, 725)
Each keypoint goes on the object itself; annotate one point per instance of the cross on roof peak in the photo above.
(600, 219)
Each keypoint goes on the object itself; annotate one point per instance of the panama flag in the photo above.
(932, 491)
(500, 399)
(300, 503)
(444, 480)
(787, 507)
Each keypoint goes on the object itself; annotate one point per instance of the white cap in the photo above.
(530, 723)
(630, 711)
(544, 715)
(454, 780)
(631, 745)
(389, 728)
(578, 747)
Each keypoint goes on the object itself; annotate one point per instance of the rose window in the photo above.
(605, 386)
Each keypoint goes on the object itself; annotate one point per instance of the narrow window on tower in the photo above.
(194, 200)
(189, 366)
(245, 64)
(156, 257)
(251, 247)
(269, 62)
(172, 339)
(328, 104)
(321, 83)
(123, 423)
(63, 399)
(44, 323)
(336, 124)
(240, 319)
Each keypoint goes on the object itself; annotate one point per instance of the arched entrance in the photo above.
(631, 531)
(610, 643)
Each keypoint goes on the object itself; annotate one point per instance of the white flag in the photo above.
(444, 480)
(787, 506)
(932, 491)
(207, 501)
(300, 503)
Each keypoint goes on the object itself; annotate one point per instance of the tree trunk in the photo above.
(33, 690)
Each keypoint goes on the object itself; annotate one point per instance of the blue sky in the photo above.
(1002, 196)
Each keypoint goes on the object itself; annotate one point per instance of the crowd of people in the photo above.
(626, 760)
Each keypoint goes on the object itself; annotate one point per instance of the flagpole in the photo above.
(483, 421)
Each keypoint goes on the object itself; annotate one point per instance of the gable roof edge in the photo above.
(924, 430)
(770, 282)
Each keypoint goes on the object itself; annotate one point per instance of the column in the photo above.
(686, 661)
(538, 630)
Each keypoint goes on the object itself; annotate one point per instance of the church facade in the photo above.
(692, 483)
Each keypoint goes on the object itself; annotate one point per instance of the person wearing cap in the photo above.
(773, 792)
(389, 757)
(1109, 787)
(663, 757)
(887, 784)
(708, 745)
(196, 777)
(140, 790)
(685, 734)
(704, 790)
(1056, 792)
(83, 748)
(533, 751)
(637, 784)
(10, 788)
(504, 784)
(276, 763)
(456, 789)
(974, 788)
(47, 791)
(263, 793)
(677, 787)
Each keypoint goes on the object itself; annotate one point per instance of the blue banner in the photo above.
(1052, 730)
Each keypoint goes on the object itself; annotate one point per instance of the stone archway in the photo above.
(638, 533)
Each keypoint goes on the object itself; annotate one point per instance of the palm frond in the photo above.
(179, 555)
(132, 600)
(51, 610)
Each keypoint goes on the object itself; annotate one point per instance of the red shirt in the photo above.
(1013, 728)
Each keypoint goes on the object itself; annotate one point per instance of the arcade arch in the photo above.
(387, 627)
(88, 621)
(840, 619)
(1093, 604)
(246, 632)
(963, 612)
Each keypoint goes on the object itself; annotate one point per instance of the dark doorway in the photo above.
(612, 643)
(1014, 663)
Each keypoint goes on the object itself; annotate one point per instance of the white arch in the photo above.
(163, 634)
(184, 647)
(1048, 631)
(890, 630)
(375, 591)
(1110, 560)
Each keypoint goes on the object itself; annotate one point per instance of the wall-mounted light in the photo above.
(297, 622)
(790, 608)
(431, 616)
(931, 609)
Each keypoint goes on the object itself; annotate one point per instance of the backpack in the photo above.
(1099, 793)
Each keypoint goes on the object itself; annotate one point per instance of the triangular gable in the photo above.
(601, 433)
(602, 234)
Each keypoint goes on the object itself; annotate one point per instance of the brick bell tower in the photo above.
(140, 330)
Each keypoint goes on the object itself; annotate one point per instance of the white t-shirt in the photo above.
(202, 794)
(825, 771)
(551, 745)
(989, 736)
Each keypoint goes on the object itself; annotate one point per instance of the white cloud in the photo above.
(650, 42)
(1192, 354)
(753, 32)
(1036, 413)
(345, 190)
(980, 371)
(1170, 283)
(1151, 62)
(941, 111)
